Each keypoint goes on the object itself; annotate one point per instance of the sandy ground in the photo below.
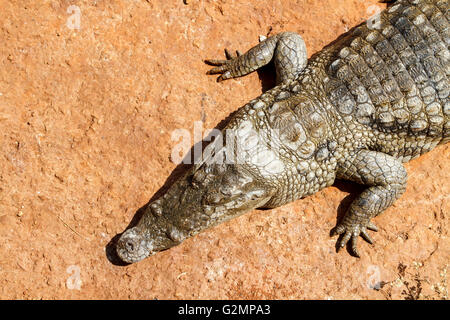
(90, 93)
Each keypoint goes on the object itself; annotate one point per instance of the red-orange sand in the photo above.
(86, 117)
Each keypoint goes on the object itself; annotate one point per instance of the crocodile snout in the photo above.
(132, 247)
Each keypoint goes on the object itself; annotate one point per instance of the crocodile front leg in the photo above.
(287, 50)
(386, 178)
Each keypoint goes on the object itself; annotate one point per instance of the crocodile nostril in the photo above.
(129, 245)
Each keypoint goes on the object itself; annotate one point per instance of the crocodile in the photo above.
(370, 101)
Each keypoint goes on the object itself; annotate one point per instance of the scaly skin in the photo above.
(358, 109)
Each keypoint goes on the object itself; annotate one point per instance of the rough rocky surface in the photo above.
(86, 118)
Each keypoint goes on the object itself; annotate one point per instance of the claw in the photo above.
(214, 62)
(224, 76)
(372, 227)
(337, 230)
(355, 244)
(366, 236)
(216, 70)
(349, 236)
(228, 55)
(345, 239)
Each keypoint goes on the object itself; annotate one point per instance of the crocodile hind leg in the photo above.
(287, 50)
(386, 178)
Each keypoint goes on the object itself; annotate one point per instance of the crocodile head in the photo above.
(222, 187)
(202, 198)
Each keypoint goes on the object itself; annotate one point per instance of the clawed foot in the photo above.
(352, 232)
(223, 67)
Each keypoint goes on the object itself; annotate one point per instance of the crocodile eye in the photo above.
(199, 176)
(213, 198)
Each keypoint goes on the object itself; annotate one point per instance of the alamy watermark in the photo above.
(243, 144)
(73, 22)
(374, 22)
(373, 280)
(74, 282)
